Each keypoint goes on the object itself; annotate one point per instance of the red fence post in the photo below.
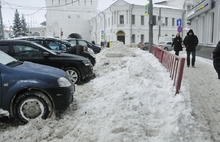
(174, 64)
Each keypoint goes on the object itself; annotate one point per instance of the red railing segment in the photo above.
(174, 64)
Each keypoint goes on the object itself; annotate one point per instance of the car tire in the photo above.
(73, 74)
(32, 104)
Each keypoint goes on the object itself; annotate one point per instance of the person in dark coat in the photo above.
(77, 49)
(216, 59)
(177, 43)
(190, 42)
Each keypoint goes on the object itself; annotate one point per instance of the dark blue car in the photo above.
(29, 90)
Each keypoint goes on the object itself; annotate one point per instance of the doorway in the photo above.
(121, 36)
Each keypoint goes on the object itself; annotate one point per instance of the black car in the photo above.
(83, 42)
(30, 90)
(57, 45)
(78, 68)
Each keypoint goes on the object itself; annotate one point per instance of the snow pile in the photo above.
(132, 99)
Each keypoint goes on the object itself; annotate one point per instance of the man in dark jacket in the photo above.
(216, 59)
(190, 42)
(177, 43)
(77, 49)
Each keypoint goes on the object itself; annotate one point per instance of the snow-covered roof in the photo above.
(103, 4)
(107, 3)
(165, 6)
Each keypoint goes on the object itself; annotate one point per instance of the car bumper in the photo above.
(87, 72)
(62, 96)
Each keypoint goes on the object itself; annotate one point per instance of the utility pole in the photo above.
(150, 25)
(2, 26)
(159, 19)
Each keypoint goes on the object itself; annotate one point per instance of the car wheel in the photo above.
(73, 74)
(166, 48)
(32, 104)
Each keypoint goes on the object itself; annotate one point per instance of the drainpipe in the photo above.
(97, 24)
(112, 21)
(95, 30)
(131, 27)
(104, 25)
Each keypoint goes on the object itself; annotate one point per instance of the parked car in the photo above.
(57, 45)
(78, 68)
(144, 46)
(30, 90)
(166, 45)
(83, 42)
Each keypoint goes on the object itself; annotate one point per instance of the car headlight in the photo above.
(86, 62)
(63, 82)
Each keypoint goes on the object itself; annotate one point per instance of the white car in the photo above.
(166, 45)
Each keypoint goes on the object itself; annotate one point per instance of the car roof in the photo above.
(36, 37)
(13, 41)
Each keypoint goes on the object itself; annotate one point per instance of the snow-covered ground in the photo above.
(132, 99)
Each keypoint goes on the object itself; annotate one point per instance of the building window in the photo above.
(121, 19)
(173, 22)
(166, 21)
(85, 2)
(108, 21)
(142, 20)
(133, 19)
(142, 38)
(133, 38)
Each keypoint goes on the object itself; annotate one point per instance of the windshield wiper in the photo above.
(14, 62)
(10, 63)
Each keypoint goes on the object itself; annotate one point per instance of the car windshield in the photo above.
(5, 58)
(48, 50)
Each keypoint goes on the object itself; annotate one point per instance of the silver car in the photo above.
(166, 45)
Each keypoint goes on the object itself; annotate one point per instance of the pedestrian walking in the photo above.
(177, 43)
(102, 44)
(216, 59)
(190, 42)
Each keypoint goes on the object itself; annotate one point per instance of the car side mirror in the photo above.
(46, 54)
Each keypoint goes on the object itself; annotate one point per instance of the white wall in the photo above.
(71, 18)
(113, 13)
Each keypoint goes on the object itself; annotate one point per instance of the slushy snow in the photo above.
(132, 99)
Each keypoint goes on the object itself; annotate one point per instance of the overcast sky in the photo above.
(34, 10)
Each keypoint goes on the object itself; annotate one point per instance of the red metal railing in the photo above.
(174, 64)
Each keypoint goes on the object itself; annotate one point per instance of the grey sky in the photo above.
(34, 10)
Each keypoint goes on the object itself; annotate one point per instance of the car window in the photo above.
(5, 48)
(73, 42)
(37, 41)
(169, 43)
(26, 51)
(83, 43)
(53, 45)
(90, 44)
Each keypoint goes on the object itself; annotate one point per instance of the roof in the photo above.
(107, 3)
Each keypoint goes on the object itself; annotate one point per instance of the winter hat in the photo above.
(190, 31)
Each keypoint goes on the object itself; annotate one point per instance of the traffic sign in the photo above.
(179, 22)
(179, 29)
(146, 9)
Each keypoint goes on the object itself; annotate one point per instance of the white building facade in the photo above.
(70, 17)
(204, 19)
(126, 22)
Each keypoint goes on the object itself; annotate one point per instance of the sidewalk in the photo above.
(205, 95)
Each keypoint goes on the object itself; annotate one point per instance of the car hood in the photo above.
(72, 56)
(40, 69)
